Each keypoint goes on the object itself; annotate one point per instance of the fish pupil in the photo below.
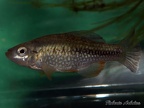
(22, 51)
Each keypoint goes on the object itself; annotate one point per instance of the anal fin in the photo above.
(92, 70)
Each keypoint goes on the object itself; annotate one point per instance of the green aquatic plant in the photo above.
(82, 5)
(133, 12)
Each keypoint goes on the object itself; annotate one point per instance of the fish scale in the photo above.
(78, 55)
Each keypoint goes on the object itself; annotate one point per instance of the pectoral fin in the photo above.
(93, 70)
(48, 70)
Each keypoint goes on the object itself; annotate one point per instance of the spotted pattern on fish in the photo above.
(70, 52)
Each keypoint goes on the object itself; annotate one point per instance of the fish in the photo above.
(79, 51)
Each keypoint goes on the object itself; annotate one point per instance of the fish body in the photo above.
(69, 52)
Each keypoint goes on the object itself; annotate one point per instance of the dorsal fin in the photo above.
(87, 34)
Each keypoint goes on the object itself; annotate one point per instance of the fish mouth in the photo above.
(8, 53)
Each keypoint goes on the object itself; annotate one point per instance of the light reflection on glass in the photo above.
(102, 95)
(103, 85)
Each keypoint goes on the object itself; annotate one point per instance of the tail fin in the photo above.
(132, 58)
(132, 53)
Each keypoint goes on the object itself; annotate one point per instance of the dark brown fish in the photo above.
(80, 51)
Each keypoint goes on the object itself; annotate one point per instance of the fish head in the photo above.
(20, 54)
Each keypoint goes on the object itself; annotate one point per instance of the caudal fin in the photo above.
(132, 58)
(132, 51)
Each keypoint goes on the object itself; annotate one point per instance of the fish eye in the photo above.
(21, 51)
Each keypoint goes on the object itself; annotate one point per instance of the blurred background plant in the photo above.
(133, 13)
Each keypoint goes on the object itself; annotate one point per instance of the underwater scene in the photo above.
(71, 53)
